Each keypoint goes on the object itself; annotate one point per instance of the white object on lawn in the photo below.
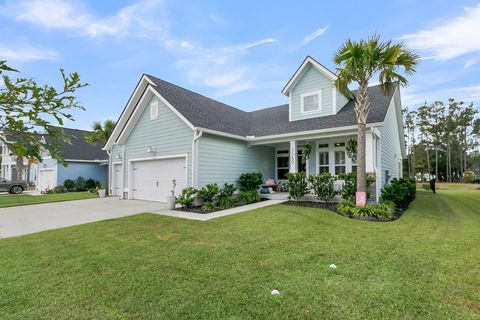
(275, 292)
(333, 266)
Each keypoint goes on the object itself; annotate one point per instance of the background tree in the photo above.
(28, 109)
(100, 133)
(409, 123)
(360, 61)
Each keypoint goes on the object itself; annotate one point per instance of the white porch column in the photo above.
(369, 153)
(293, 156)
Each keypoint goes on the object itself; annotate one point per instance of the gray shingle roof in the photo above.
(210, 114)
(79, 149)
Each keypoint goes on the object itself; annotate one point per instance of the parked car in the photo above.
(14, 187)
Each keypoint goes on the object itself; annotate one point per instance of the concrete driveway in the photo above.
(16, 221)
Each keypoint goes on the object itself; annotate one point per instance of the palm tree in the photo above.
(100, 133)
(359, 62)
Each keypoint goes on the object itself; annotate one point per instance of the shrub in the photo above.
(225, 202)
(250, 181)
(426, 186)
(350, 184)
(400, 191)
(69, 184)
(209, 206)
(92, 190)
(469, 177)
(346, 206)
(227, 190)
(59, 189)
(187, 197)
(297, 185)
(80, 184)
(91, 184)
(208, 192)
(247, 197)
(322, 185)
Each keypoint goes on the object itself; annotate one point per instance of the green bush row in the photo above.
(384, 209)
(214, 197)
(322, 185)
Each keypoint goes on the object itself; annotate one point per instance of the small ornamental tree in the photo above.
(297, 185)
(29, 110)
(322, 185)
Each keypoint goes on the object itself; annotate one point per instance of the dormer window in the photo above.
(311, 101)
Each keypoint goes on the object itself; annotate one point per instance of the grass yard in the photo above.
(11, 200)
(426, 265)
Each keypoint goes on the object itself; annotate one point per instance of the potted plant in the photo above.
(171, 198)
(102, 190)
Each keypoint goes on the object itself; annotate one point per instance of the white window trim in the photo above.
(319, 107)
(331, 156)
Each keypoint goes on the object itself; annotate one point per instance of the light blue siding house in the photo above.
(81, 158)
(168, 137)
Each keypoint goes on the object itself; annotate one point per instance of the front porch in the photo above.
(328, 154)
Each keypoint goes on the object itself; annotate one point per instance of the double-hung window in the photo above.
(311, 102)
(323, 158)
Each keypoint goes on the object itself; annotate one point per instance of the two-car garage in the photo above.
(152, 179)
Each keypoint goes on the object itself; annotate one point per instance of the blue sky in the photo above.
(241, 53)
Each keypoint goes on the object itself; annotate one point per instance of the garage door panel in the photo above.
(152, 179)
(46, 179)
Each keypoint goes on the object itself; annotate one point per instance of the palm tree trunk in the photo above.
(362, 107)
(361, 163)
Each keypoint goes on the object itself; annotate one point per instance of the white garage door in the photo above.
(45, 179)
(152, 179)
(117, 178)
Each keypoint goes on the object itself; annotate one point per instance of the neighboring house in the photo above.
(166, 132)
(82, 159)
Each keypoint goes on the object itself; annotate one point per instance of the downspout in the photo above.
(196, 136)
(109, 178)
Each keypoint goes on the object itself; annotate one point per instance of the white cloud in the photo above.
(454, 38)
(314, 35)
(26, 53)
(415, 97)
(138, 19)
(218, 68)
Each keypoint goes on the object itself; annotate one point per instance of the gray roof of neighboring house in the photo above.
(210, 114)
(78, 148)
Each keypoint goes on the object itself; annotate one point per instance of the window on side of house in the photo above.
(154, 109)
(311, 102)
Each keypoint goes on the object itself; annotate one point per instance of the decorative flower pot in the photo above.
(101, 193)
(171, 202)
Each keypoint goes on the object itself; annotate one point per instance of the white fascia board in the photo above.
(308, 60)
(136, 113)
(127, 111)
(398, 106)
(223, 134)
(308, 134)
(89, 161)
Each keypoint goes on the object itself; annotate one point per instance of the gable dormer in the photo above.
(312, 92)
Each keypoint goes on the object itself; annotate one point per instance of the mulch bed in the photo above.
(198, 209)
(333, 207)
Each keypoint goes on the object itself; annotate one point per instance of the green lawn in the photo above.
(11, 200)
(425, 265)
